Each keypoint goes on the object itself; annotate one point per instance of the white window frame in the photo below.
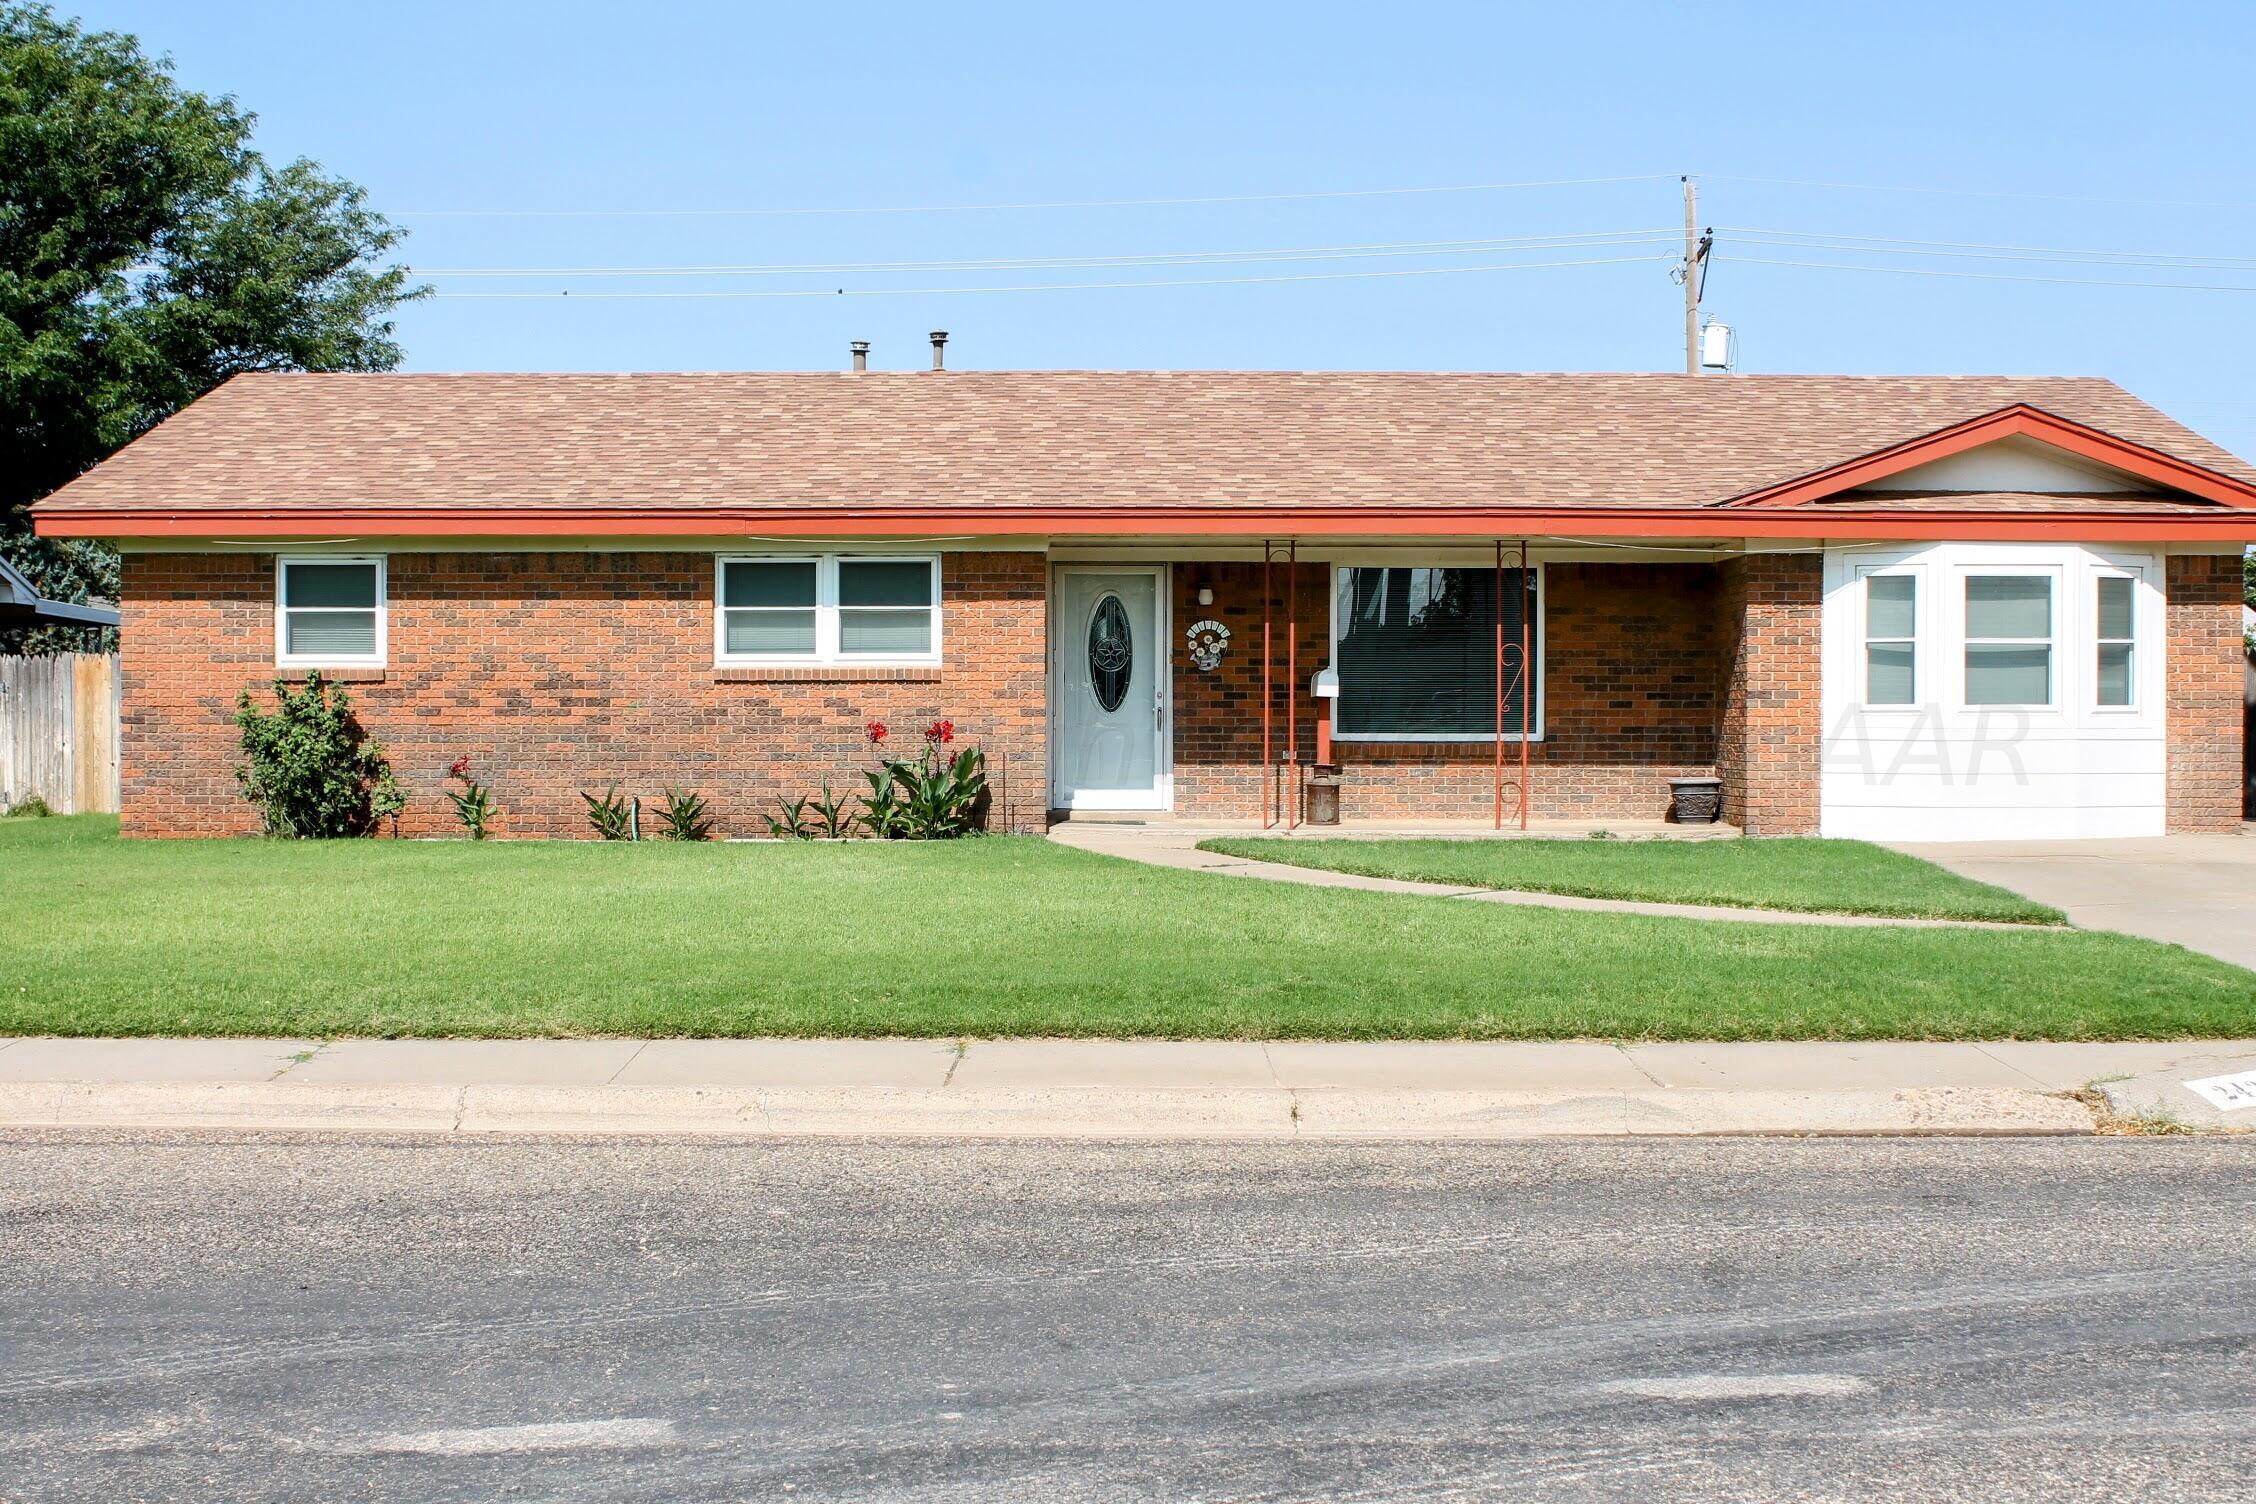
(826, 653)
(2058, 670)
(1467, 739)
(1921, 656)
(283, 610)
(2136, 642)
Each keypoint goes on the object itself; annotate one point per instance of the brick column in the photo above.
(1770, 626)
(2204, 691)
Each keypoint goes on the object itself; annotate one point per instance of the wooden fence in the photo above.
(59, 731)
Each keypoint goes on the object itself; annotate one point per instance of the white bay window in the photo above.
(2115, 642)
(2009, 639)
(1891, 638)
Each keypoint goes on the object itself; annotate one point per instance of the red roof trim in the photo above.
(2019, 420)
(1144, 522)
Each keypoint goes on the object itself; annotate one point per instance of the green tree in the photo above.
(2248, 592)
(148, 253)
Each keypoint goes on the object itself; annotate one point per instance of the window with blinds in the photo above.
(1415, 649)
(329, 612)
(827, 608)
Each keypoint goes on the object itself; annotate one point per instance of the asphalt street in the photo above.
(211, 1318)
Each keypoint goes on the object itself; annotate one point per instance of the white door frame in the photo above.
(1162, 796)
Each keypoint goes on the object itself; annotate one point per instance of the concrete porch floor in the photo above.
(1180, 827)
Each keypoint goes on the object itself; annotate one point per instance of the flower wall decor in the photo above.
(1207, 639)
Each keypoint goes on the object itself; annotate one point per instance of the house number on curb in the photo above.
(1207, 640)
(2228, 1092)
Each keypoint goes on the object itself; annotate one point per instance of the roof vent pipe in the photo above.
(939, 342)
(860, 348)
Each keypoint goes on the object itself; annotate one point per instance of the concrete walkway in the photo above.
(1072, 1089)
(2195, 891)
(1170, 845)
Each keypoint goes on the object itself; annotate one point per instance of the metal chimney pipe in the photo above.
(860, 348)
(939, 342)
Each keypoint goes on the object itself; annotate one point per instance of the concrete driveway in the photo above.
(2195, 891)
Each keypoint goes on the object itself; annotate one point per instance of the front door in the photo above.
(1108, 687)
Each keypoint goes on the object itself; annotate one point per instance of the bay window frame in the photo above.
(2062, 618)
(1922, 641)
(2137, 642)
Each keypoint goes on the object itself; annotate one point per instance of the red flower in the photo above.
(940, 732)
(876, 731)
(461, 768)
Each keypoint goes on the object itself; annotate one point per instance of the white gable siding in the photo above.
(2015, 464)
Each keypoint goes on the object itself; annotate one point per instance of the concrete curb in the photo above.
(1065, 1112)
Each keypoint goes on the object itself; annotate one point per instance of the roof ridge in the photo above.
(1753, 377)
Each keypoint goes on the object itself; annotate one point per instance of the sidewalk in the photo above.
(1077, 1089)
(1168, 844)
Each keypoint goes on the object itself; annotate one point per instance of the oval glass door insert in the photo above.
(1112, 651)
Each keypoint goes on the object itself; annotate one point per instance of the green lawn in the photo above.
(1809, 876)
(985, 937)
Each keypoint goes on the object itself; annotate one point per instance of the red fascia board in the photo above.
(2018, 421)
(1145, 522)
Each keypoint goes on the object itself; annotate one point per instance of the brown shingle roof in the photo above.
(1052, 438)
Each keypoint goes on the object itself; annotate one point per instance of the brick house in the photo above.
(1898, 607)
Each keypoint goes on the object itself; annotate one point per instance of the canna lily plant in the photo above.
(934, 796)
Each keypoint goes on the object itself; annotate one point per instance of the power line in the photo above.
(1575, 240)
(2057, 198)
(1886, 245)
(1936, 271)
(879, 292)
(1096, 203)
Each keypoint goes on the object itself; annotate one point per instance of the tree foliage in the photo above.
(148, 253)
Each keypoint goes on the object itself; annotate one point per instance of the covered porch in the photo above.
(1545, 686)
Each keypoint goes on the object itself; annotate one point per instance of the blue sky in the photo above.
(2076, 126)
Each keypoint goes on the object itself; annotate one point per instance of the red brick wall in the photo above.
(2206, 671)
(564, 671)
(1630, 701)
(561, 672)
(1769, 624)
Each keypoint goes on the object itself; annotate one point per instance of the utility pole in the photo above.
(1695, 257)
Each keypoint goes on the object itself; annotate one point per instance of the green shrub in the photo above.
(309, 767)
(685, 818)
(30, 808)
(792, 825)
(834, 814)
(612, 816)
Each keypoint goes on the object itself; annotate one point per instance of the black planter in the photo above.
(1696, 801)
